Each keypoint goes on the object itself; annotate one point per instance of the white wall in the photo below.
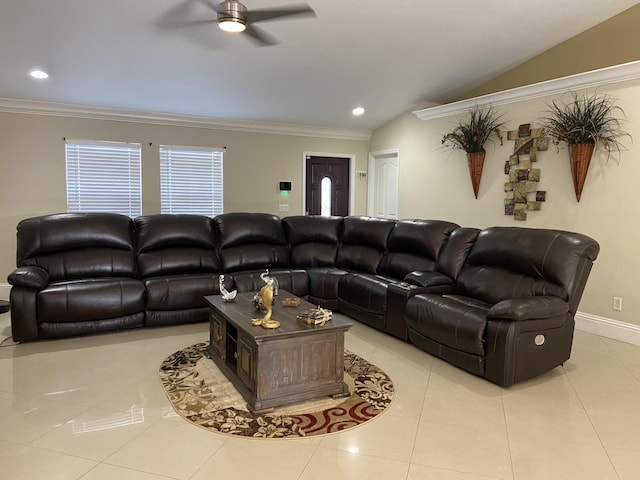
(32, 166)
(436, 184)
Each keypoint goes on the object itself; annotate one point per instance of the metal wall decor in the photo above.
(521, 191)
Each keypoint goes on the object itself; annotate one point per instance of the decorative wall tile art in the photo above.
(521, 190)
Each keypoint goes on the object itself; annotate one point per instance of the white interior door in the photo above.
(383, 184)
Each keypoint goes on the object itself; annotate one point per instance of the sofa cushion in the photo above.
(312, 228)
(236, 229)
(314, 255)
(399, 264)
(452, 320)
(176, 244)
(364, 241)
(494, 284)
(90, 299)
(313, 240)
(323, 282)
(452, 257)
(414, 245)
(78, 245)
(254, 256)
(251, 241)
(86, 327)
(177, 292)
(292, 280)
(365, 292)
(510, 262)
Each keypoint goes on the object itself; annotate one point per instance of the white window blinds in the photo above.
(191, 180)
(103, 177)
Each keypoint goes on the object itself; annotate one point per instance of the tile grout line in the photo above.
(604, 448)
(210, 456)
(415, 435)
(506, 428)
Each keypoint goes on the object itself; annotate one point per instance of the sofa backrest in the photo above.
(414, 245)
(511, 262)
(169, 244)
(313, 240)
(455, 251)
(251, 241)
(363, 243)
(78, 245)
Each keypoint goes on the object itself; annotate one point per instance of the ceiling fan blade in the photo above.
(171, 24)
(178, 17)
(259, 36)
(208, 4)
(266, 14)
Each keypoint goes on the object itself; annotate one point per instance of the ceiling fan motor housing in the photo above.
(232, 11)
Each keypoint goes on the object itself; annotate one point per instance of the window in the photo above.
(103, 177)
(325, 197)
(191, 180)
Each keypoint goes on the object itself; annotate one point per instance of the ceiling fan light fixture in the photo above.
(233, 25)
(232, 16)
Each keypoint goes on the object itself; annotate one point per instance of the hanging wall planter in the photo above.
(476, 162)
(580, 155)
(583, 123)
(471, 135)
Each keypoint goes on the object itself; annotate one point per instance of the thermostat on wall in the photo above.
(284, 186)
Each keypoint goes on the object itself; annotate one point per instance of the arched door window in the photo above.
(325, 197)
(327, 186)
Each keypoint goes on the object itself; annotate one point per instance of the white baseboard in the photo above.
(5, 288)
(605, 327)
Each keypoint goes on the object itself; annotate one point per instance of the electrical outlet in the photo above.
(617, 304)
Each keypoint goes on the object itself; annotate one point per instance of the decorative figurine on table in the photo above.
(264, 300)
(227, 296)
(268, 279)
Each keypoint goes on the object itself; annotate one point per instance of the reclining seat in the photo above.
(379, 298)
(360, 294)
(178, 262)
(510, 315)
(313, 242)
(250, 243)
(75, 275)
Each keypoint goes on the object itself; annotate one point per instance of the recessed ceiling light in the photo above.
(39, 74)
(357, 111)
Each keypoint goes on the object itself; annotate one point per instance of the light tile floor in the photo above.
(92, 408)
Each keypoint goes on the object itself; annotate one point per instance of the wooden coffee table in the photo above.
(270, 368)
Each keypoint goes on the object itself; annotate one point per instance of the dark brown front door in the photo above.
(335, 174)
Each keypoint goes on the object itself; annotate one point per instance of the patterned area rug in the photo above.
(201, 394)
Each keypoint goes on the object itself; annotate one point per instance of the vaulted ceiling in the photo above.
(386, 56)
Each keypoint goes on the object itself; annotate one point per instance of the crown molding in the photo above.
(33, 107)
(592, 79)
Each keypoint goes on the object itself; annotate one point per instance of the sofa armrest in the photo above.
(428, 279)
(32, 277)
(528, 308)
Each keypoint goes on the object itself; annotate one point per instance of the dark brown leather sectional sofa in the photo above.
(499, 303)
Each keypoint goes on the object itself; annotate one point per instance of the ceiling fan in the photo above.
(233, 16)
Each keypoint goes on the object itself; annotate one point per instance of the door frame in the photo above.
(352, 174)
(371, 184)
